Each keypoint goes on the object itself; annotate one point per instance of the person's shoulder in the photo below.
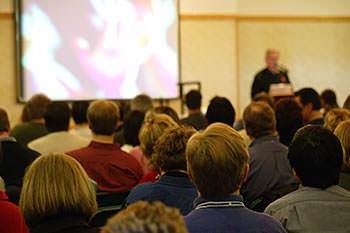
(264, 222)
(142, 192)
(261, 73)
(284, 202)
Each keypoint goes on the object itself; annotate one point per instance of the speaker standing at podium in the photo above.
(272, 74)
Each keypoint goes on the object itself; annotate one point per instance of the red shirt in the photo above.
(113, 169)
(11, 220)
(149, 177)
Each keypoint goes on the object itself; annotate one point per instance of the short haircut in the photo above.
(132, 125)
(170, 149)
(4, 121)
(141, 103)
(35, 108)
(347, 103)
(146, 218)
(103, 116)
(271, 51)
(221, 110)
(79, 111)
(289, 119)
(56, 185)
(193, 99)
(153, 127)
(343, 134)
(216, 160)
(309, 96)
(168, 111)
(329, 97)
(259, 119)
(336, 116)
(264, 97)
(316, 155)
(57, 117)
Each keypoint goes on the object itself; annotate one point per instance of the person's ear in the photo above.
(245, 173)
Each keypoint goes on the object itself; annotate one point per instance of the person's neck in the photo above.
(194, 111)
(106, 139)
(4, 134)
(274, 70)
(175, 170)
(39, 121)
(83, 125)
(315, 115)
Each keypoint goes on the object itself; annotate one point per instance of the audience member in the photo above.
(14, 158)
(336, 116)
(174, 187)
(168, 111)
(142, 103)
(11, 220)
(59, 139)
(131, 128)
(316, 156)
(310, 101)
(221, 110)
(104, 161)
(152, 129)
(218, 164)
(289, 119)
(33, 123)
(329, 100)
(270, 171)
(57, 196)
(343, 134)
(143, 217)
(195, 116)
(264, 97)
(79, 112)
(347, 103)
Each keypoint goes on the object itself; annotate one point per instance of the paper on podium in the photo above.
(281, 90)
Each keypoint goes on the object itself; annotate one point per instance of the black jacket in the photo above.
(265, 78)
(66, 224)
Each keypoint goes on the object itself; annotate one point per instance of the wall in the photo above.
(223, 44)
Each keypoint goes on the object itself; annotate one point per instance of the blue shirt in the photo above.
(229, 215)
(269, 168)
(174, 189)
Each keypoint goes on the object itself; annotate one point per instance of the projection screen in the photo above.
(88, 49)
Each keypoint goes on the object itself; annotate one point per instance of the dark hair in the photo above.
(35, 108)
(132, 125)
(79, 111)
(259, 119)
(309, 95)
(316, 155)
(57, 117)
(329, 98)
(193, 99)
(289, 119)
(347, 103)
(170, 149)
(4, 121)
(221, 110)
(168, 111)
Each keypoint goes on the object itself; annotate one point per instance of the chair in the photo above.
(107, 199)
(99, 219)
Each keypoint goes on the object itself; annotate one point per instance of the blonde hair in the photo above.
(343, 134)
(103, 116)
(336, 116)
(55, 185)
(153, 127)
(216, 159)
(145, 217)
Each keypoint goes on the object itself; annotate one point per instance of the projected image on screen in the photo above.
(86, 49)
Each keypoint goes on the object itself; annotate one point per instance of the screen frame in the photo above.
(19, 53)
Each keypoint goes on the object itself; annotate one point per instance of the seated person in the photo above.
(221, 110)
(113, 169)
(143, 217)
(195, 118)
(11, 220)
(152, 129)
(288, 119)
(310, 102)
(33, 123)
(270, 170)
(173, 187)
(334, 117)
(168, 111)
(343, 134)
(79, 112)
(14, 158)
(131, 129)
(59, 139)
(57, 196)
(217, 162)
(320, 205)
(329, 100)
